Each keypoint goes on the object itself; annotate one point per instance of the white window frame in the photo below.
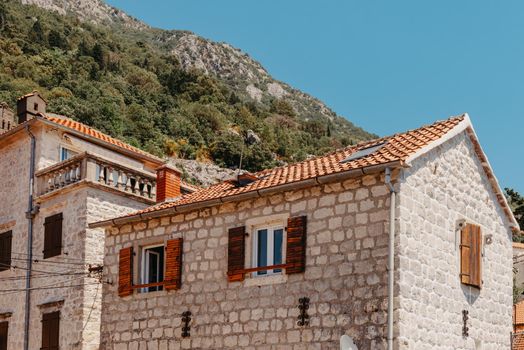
(271, 252)
(144, 266)
(65, 149)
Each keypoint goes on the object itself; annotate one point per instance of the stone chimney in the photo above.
(7, 118)
(167, 183)
(28, 106)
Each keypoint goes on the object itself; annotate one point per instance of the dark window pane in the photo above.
(262, 250)
(277, 244)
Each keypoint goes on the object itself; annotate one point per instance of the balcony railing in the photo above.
(94, 169)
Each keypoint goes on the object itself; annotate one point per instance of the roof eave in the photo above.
(324, 179)
(466, 126)
(136, 155)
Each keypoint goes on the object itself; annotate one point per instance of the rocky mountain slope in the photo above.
(230, 65)
(171, 93)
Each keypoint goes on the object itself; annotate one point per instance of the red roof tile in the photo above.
(518, 341)
(88, 131)
(396, 148)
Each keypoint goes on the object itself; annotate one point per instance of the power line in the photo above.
(55, 257)
(51, 286)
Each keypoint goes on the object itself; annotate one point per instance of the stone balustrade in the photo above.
(94, 169)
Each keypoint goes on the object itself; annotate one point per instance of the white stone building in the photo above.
(80, 176)
(234, 265)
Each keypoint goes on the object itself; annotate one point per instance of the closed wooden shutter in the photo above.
(173, 279)
(296, 244)
(471, 255)
(125, 272)
(50, 331)
(53, 236)
(5, 250)
(236, 254)
(4, 330)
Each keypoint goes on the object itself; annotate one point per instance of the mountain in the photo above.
(169, 92)
(229, 64)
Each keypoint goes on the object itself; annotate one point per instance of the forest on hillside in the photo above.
(132, 90)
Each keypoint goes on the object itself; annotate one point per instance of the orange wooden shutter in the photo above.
(125, 272)
(236, 254)
(173, 279)
(471, 255)
(296, 244)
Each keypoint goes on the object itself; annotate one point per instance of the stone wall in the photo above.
(59, 282)
(345, 277)
(444, 187)
(14, 182)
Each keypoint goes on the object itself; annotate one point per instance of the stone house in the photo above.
(297, 256)
(56, 176)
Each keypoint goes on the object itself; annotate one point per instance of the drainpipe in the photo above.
(391, 256)
(30, 215)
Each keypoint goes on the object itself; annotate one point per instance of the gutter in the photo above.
(391, 255)
(30, 214)
(318, 180)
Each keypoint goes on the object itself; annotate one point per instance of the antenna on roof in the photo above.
(250, 139)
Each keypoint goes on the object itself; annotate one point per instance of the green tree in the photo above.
(516, 202)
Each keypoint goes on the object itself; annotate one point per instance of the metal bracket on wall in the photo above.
(465, 329)
(186, 318)
(303, 306)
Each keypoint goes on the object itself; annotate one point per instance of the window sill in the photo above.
(265, 280)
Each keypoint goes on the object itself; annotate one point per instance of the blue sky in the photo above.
(385, 65)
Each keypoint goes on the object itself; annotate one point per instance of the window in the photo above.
(65, 154)
(5, 250)
(50, 330)
(53, 236)
(152, 267)
(267, 249)
(4, 329)
(36, 106)
(471, 255)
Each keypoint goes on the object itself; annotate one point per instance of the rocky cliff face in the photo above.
(232, 66)
(94, 11)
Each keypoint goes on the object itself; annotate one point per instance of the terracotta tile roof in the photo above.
(396, 148)
(88, 131)
(518, 313)
(518, 341)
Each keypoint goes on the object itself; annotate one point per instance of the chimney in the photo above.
(7, 118)
(167, 183)
(28, 106)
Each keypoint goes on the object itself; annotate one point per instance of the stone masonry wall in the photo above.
(53, 279)
(345, 277)
(14, 180)
(441, 189)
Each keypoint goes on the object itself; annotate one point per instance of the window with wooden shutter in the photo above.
(4, 330)
(50, 331)
(53, 236)
(5, 250)
(173, 275)
(471, 255)
(125, 272)
(296, 244)
(236, 254)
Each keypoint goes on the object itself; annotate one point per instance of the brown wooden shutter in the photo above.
(50, 331)
(173, 279)
(236, 254)
(53, 236)
(4, 330)
(296, 244)
(471, 255)
(5, 250)
(125, 272)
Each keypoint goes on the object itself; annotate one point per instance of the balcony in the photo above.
(95, 170)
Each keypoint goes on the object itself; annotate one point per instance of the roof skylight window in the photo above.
(361, 153)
